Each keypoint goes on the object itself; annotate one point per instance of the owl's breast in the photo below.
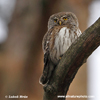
(62, 41)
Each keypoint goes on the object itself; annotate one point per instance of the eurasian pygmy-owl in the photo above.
(63, 30)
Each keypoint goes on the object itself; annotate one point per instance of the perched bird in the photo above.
(63, 30)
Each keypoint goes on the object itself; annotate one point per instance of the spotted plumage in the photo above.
(62, 31)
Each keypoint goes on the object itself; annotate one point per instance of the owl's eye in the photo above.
(55, 20)
(64, 18)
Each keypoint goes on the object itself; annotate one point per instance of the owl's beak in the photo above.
(60, 22)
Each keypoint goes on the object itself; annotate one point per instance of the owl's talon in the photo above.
(60, 57)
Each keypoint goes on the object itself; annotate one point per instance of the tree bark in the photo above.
(71, 61)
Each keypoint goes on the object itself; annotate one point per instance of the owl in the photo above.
(63, 30)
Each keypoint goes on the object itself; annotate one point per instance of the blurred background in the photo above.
(23, 24)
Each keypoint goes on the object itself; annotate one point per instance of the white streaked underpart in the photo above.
(62, 41)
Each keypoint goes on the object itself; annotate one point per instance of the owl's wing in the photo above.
(47, 61)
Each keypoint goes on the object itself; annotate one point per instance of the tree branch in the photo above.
(72, 60)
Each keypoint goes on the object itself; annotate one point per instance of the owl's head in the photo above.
(62, 18)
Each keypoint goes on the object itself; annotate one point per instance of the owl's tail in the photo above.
(44, 78)
(47, 71)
